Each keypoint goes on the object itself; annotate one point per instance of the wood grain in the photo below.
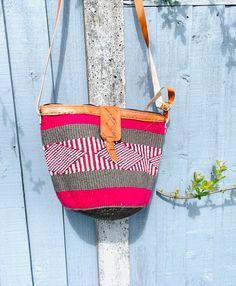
(154, 258)
(70, 86)
(194, 49)
(160, 3)
(15, 268)
(28, 44)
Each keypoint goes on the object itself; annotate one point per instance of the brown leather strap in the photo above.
(142, 20)
(143, 24)
(59, 5)
(165, 106)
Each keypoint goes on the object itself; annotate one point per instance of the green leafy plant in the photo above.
(200, 186)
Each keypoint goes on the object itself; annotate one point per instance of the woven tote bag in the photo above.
(103, 160)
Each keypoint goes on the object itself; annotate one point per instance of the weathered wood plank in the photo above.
(105, 60)
(192, 245)
(28, 45)
(69, 70)
(224, 222)
(187, 244)
(159, 3)
(15, 267)
(206, 92)
(81, 249)
(154, 258)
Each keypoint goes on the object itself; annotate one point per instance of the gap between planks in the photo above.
(156, 3)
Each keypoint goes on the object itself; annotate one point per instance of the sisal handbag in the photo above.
(103, 160)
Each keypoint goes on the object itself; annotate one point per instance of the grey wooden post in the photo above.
(105, 68)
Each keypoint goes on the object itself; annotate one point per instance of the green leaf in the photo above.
(204, 184)
(223, 168)
(198, 177)
(210, 185)
(222, 177)
(203, 194)
(198, 196)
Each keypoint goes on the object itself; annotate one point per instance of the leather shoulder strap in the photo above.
(143, 24)
(42, 84)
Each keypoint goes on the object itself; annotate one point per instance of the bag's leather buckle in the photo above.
(165, 106)
(110, 128)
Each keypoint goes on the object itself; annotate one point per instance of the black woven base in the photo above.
(111, 213)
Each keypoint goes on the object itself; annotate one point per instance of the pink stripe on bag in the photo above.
(115, 196)
(52, 121)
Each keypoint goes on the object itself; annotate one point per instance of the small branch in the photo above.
(190, 197)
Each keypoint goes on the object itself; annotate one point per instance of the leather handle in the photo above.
(142, 20)
(144, 28)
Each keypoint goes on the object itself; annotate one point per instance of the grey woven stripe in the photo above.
(102, 179)
(72, 131)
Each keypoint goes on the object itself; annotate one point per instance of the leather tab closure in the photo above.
(110, 128)
(110, 145)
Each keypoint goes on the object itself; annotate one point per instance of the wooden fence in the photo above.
(170, 243)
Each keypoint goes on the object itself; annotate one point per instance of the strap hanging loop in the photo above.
(165, 106)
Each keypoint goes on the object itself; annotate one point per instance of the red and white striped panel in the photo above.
(126, 157)
(90, 154)
(59, 157)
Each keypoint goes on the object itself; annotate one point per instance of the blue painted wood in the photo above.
(192, 244)
(27, 35)
(177, 243)
(154, 258)
(13, 226)
(70, 83)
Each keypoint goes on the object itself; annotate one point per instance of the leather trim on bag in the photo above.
(59, 109)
